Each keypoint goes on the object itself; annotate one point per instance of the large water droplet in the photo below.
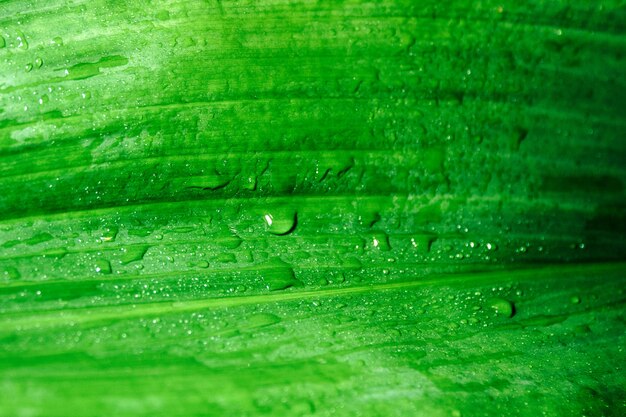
(278, 275)
(198, 264)
(55, 253)
(491, 246)
(281, 221)
(109, 234)
(11, 273)
(230, 242)
(226, 258)
(103, 266)
(423, 242)
(380, 241)
(22, 43)
(263, 320)
(502, 307)
(133, 253)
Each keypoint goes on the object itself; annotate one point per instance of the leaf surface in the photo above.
(390, 208)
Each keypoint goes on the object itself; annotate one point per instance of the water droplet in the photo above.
(281, 221)
(3, 43)
(262, 320)
(57, 41)
(250, 183)
(230, 242)
(28, 67)
(335, 278)
(22, 42)
(502, 307)
(141, 232)
(225, 258)
(198, 264)
(55, 253)
(103, 266)
(38, 62)
(575, 299)
(278, 275)
(491, 246)
(380, 241)
(133, 253)
(517, 137)
(369, 217)
(109, 234)
(11, 272)
(423, 242)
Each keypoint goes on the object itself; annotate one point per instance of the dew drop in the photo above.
(226, 258)
(133, 253)
(380, 241)
(198, 264)
(103, 266)
(250, 183)
(55, 253)
(230, 242)
(38, 62)
(109, 234)
(369, 217)
(278, 275)
(28, 67)
(502, 307)
(22, 42)
(262, 320)
(281, 221)
(423, 242)
(334, 278)
(11, 273)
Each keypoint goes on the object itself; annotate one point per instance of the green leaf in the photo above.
(359, 208)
